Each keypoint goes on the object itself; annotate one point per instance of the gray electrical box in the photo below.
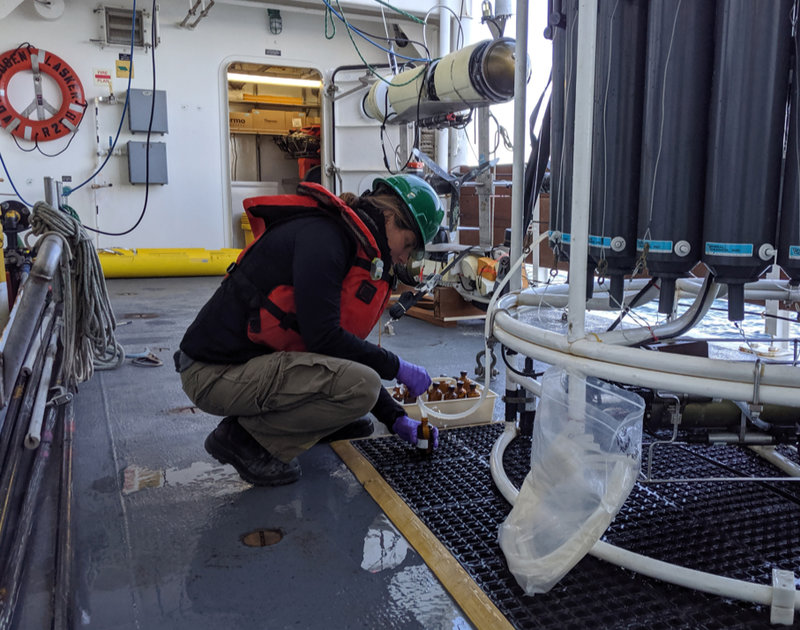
(139, 104)
(139, 172)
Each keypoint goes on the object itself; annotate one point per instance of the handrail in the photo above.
(19, 331)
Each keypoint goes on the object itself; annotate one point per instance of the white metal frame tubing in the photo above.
(599, 354)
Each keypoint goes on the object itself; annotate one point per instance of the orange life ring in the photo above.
(64, 120)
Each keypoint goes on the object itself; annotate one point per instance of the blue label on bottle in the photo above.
(599, 241)
(794, 251)
(565, 238)
(729, 249)
(662, 247)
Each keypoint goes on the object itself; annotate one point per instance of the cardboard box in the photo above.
(483, 414)
(240, 121)
(269, 120)
(295, 120)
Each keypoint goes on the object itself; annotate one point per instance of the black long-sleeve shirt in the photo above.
(313, 254)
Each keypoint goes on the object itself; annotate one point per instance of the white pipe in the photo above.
(776, 459)
(442, 140)
(36, 340)
(34, 435)
(526, 382)
(499, 476)
(763, 284)
(17, 334)
(582, 165)
(689, 578)
(633, 336)
(595, 303)
(653, 378)
(658, 569)
(740, 371)
(354, 10)
(520, 129)
(764, 289)
(631, 284)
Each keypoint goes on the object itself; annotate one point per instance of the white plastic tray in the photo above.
(482, 415)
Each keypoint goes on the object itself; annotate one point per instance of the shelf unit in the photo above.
(259, 109)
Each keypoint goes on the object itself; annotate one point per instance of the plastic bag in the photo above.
(585, 458)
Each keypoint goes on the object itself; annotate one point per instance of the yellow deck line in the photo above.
(483, 614)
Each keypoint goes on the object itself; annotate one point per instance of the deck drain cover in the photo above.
(262, 537)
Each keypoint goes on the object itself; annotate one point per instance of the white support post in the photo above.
(582, 167)
(520, 130)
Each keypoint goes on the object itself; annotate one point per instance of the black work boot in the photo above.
(356, 429)
(230, 444)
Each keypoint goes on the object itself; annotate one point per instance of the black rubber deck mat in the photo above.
(736, 529)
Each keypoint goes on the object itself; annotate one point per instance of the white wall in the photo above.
(193, 209)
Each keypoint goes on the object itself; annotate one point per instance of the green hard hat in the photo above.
(421, 201)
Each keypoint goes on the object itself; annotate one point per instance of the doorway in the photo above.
(274, 132)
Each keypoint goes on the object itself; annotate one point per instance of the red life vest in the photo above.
(363, 297)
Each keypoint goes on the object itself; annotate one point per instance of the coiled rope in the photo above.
(88, 335)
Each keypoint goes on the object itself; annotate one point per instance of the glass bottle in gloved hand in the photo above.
(424, 437)
(407, 429)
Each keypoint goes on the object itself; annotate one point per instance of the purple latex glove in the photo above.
(414, 377)
(406, 428)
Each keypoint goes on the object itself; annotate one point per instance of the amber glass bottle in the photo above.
(434, 393)
(460, 391)
(424, 437)
(472, 392)
(451, 393)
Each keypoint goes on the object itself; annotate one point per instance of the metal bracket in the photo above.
(783, 596)
(59, 396)
(518, 399)
(365, 83)
(480, 369)
(675, 420)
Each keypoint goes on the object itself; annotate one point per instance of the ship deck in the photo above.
(166, 538)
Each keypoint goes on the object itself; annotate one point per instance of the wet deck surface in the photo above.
(159, 524)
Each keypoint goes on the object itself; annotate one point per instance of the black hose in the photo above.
(536, 167)
(632, 304)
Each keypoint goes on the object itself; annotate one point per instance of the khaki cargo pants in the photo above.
(287, 401)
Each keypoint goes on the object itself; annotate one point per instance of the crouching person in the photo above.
(280, 348)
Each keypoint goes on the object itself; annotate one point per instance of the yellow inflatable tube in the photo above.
(152, 263)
